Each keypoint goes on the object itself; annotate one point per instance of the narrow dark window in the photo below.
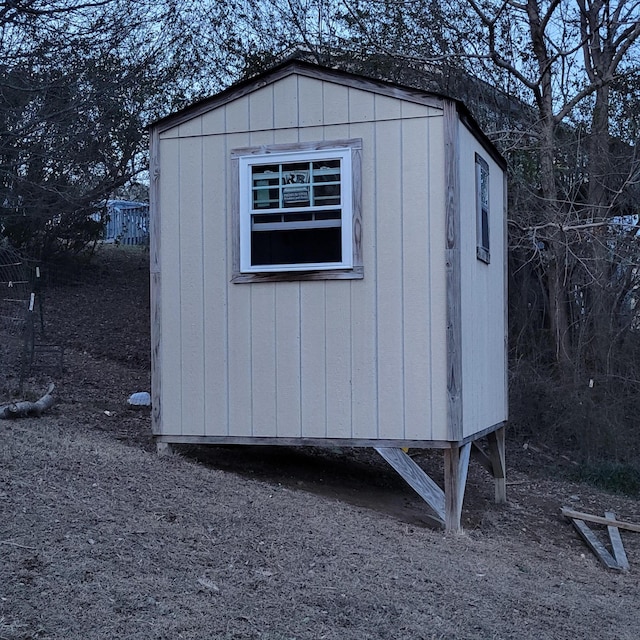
(482, 210)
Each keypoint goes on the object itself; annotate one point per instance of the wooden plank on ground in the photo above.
(616, 543)
(595, 545)
(587, 517)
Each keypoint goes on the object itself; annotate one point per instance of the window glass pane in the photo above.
(267, 218)
(265, 181)
(326, 182)
(327, 215)
(296, 188)
(296, 246)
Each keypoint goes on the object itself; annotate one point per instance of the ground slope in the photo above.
(100, 538)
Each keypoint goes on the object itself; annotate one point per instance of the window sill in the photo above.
(357, 273)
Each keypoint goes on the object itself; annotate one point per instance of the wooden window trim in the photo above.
(482, 213)
(356, 271)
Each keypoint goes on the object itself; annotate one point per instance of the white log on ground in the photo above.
(25, 408)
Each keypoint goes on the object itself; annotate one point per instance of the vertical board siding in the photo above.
(361, 106)
(338, 318)
(288, 360)
(239, 331)
(390, 291)
(387, 108)
(261, 109)
(313, 364)
(335, 104)
(338, 358)
(483, 324)
(364, 370)
(191, 284)
(237, 116)
(310, 102)
(213, 122)
(190, 129)
(285, 101)
(170, 286)
(263, 358)
(216, 232)
(416, 267)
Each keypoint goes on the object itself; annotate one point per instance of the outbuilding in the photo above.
(328, 268)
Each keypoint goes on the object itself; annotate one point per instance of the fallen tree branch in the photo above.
(26, 408)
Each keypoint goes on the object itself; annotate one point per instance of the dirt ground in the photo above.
(100, 538)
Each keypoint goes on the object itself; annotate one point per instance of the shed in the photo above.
(328, 268)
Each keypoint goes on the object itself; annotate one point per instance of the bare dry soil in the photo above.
(100, 538)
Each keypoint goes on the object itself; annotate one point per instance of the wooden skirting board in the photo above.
(617, 560)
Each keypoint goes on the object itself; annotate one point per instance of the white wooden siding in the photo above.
(482, 290)
(170, 317)
(215, 231)
(361, 359)
(192, 292)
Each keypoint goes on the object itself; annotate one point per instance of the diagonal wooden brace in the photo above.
(416, 478)
(494, 463)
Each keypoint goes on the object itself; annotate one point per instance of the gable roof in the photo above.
(337, 76)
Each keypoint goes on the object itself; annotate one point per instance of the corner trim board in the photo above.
(453, 273)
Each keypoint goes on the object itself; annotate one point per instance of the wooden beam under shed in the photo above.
(416, 478)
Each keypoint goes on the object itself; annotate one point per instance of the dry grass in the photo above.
(100, 538)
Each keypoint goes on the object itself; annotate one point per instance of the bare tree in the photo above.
(78, 82)
(552, 82)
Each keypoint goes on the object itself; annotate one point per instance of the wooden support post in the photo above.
(497, 456)
(456, 466)
(416, 478)
(164, 448)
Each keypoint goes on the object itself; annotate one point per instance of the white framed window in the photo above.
(482, 210)
(298, 211)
